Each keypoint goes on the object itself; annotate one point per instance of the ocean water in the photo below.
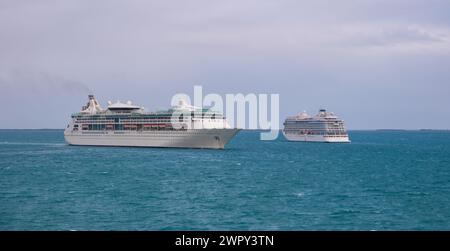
(383, 180)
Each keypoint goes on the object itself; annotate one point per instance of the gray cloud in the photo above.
(314, 53)
(383, 35)
(39, 83)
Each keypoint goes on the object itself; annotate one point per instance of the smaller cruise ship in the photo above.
(324, 127)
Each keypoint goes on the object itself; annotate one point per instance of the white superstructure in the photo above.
(124, 124)
(324, 127)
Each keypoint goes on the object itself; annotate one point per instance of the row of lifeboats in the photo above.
(311, 132)
(131, 126)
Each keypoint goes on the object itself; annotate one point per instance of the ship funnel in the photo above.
(92, 106)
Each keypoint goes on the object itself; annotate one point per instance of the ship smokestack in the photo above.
(92, 105)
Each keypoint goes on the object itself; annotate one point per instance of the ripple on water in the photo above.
(372, 183)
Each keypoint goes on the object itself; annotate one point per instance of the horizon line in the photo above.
(375, 129)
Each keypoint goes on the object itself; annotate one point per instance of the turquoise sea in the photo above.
(383, 180)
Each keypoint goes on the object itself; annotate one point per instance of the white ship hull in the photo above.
(193, 138)
(316, 138)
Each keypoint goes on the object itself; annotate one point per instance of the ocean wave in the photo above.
(33, 143)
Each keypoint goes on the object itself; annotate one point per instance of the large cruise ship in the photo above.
(124, 124)
(324, 127)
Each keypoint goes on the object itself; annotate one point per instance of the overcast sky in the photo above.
(377, 64)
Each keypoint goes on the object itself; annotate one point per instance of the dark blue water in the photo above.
(381, 181)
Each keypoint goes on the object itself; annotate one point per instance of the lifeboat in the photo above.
(130, 126)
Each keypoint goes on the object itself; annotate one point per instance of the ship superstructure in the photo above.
(125, 124)
(323, 127)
